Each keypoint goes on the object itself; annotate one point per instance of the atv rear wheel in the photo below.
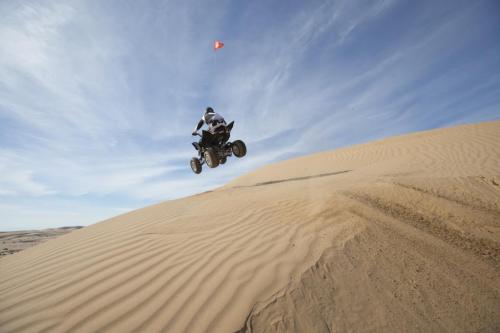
(211, 158)
(239, 148)
(196, 165)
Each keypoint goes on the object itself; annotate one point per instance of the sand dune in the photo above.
(398, 235)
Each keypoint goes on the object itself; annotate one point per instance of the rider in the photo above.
(214, 121)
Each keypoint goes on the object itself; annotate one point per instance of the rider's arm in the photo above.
(200, 123)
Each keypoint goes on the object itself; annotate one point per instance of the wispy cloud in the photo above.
(97, 99)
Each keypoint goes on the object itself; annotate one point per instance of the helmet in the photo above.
(209, 110)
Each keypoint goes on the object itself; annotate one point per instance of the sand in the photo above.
(14, 241)
(398, 235)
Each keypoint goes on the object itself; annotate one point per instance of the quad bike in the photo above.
(214, 148)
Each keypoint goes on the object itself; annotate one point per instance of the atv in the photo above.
(214, 148)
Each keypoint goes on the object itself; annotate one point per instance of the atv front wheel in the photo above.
(195, 165)
(239, 148)
(211, 158)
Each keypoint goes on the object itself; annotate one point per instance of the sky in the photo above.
(98, 98)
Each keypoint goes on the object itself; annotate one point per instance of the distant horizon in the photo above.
(98, 100)
(62, 227)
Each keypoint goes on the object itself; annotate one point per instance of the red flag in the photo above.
(218, 45)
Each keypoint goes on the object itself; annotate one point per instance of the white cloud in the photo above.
(98, 99)
(56, 214)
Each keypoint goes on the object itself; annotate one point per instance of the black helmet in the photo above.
(209, 110)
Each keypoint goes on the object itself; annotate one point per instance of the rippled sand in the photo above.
(399, 235)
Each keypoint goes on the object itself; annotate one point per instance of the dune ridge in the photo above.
(401, 234)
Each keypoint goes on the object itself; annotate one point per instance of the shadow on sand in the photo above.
(298, 178)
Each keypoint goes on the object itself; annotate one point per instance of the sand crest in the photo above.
(398, 235)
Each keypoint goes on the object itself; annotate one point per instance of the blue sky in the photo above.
(98, 98)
